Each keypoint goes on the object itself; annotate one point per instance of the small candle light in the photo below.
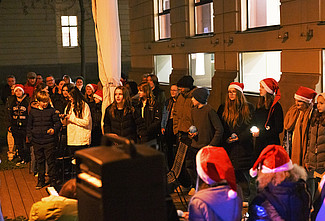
(254, 129)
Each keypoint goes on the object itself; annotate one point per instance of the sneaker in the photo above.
(191, 192)
(41, 184)
(20, 163)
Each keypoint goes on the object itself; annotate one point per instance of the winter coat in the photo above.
(275, 123)
(240, 152)
(315, 154)
(17, 112)
(167, 110)
(129, 125)
(152, 120)
(214, 204)
(208, 126)
(59, 102)
(39, 122)
(292, 198)
(54, 208)
(182, 112)
(160, 97)
(29, 89)
(79, 129)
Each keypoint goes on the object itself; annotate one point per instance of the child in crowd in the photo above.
(314, 160)
(217, 198)
(268, 117)
(296, 124)
(78, 121)
(283, 193)
(89, 95)
(121, 117)
(43, 125)
(208, 126)
(150, 113)
(96, 115)
(17, 106)
(236, 115)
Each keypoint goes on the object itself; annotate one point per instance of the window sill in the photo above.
(163, 40)
(253, 94)
(260, 29)
(211, 34)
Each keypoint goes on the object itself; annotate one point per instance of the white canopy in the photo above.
(107, 28)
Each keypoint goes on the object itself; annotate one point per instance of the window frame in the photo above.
(156, 68)
(245, 16)
(69, 26)
(159, 14)
(190, 71)
(240, 75)
(200, 3)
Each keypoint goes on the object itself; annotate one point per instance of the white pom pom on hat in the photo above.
(272, 159)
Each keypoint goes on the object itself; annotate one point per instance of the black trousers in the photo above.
(45, 152)
(19, 135)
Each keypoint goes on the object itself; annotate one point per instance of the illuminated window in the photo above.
(260, 13)
(202, 68)
(162, 19)
(255, 66)
(203, 10)
(69, 31)
(163, 67)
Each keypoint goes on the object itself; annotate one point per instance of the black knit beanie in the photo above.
(201, 95)
(185, 82)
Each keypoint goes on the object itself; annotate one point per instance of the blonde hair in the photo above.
(236, 112)
(43, 96)
(277, 178)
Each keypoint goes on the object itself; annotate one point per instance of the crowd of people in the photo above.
(227, 147)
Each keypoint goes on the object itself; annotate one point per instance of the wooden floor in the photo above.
(18, 193)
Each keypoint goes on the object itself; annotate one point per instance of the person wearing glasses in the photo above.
(50, 82)
(167, 125)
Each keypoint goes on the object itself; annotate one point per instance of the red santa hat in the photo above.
(236, 85)
(99, 95)
(305, 94)
(214, 165)
(19, 86)
(272, 159)
(92, 86)
(272, 87)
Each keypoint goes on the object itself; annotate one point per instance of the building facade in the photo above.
(240, 40)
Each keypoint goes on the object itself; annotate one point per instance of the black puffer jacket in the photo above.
(289, 200)
(39, 122)
(128, 125)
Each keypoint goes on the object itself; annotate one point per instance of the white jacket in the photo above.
(79, 129)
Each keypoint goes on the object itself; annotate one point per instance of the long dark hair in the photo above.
(78, 102)
(236, 112)
(127, 106)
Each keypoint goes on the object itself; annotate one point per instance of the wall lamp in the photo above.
(230, 41)
(283, 36)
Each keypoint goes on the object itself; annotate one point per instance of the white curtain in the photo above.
(107, 28)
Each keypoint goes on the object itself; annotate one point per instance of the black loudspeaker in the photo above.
(121, 182)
